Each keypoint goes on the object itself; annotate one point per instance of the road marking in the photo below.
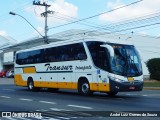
(47, 102)
(145, 95)
(25, 99)
(64, 118)
(56, 109)
(39, 118)
(23, 118)
(8, 89)
(5, 96)
(131, 94)
(43, 110)
(10, 118)
(49, 118)
(136, 95)
(38, 110)
(77, 106)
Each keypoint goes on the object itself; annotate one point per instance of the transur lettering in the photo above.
(52, 68)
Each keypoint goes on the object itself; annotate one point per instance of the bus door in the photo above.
(102, 74)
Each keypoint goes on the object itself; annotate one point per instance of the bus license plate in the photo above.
(130, 79)
(131, 88)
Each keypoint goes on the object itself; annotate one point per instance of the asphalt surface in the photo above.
(69, 105)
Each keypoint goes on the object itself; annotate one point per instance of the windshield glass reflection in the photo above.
(126, 61)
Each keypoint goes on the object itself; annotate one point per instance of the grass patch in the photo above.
(151, 83)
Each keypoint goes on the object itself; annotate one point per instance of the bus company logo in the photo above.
(83, 67)
(52, 68)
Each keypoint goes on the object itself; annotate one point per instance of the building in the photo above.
(6, 59)
(147, 45)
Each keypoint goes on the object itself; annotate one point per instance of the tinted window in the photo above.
(30, 57)
(50, 54)
(54, 54)
(99, 55)
(71, 52)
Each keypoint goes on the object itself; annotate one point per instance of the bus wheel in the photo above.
(83, 87)
(31, 85)
(112, 93)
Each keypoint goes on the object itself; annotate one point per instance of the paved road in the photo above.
(67, 104)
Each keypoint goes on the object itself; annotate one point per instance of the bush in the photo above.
(154, 68)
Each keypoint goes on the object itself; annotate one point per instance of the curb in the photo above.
(151, 88)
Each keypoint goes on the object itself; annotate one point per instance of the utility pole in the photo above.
(44, 14)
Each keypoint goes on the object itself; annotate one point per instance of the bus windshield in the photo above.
(126, 61)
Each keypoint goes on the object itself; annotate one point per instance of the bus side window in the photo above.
(81, 56)
(79, 52)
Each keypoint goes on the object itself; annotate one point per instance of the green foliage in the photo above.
(154, 68)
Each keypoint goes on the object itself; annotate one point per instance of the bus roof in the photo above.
(72, 41)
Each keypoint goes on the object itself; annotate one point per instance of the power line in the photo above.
(85, 24)
(144, 20)
(150, 18)
(74, 18)
(113, 31)
(148, 28)
(97, 14)
(137, 27)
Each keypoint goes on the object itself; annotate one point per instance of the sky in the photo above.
(66, 11)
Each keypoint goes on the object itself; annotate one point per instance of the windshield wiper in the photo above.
(125, 69)
(134, 65)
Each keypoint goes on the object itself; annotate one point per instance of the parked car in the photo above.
(3, 73)
(10, 74)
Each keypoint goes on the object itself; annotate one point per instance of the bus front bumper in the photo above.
(125, 86)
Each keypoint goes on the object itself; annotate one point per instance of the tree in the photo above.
(154, 68)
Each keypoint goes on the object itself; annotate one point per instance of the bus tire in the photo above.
(30, 85)
(112, 93)
(83, 87)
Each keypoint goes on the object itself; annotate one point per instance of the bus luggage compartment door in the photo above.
(64, 80)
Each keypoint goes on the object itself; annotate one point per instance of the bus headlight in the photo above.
(118, 80)
(115, 79)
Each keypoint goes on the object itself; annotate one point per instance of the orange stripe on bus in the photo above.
(19, 81)
(103, 87)
(29, 70)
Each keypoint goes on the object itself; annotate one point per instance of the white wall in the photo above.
(8, 57)
(1, 64)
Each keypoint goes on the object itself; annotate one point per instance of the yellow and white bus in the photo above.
(88, 66)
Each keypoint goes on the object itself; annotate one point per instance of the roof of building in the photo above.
(149, 46)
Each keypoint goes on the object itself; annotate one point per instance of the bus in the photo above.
(86, 65)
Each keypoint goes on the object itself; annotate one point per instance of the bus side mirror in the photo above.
(109, 48)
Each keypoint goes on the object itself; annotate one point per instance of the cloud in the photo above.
(143, 33)
(6, 38)
(3, 33)
(61, 8)
(140, 9)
